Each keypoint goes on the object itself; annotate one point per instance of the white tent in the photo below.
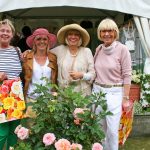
(138, 7)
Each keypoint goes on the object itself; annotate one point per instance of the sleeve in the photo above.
(90, 74)
(126, 65)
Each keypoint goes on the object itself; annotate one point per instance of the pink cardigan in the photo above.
(113, 68)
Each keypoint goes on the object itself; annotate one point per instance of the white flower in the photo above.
(16, 87)
(146, 85)
(2, 118)
(144, 103)
(136, 76)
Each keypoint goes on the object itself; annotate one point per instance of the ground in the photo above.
(137, 143)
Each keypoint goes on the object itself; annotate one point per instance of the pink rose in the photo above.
(48, 139)
(4, 89)
(76, 146)
(17, 128)
(23, 133)
(63, 144)
(97, 146)
(78, 111)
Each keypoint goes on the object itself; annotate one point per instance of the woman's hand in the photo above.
(76, 75)
(3, 76)
(127, 105)
(24, 54)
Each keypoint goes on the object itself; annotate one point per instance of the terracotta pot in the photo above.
(135, 90)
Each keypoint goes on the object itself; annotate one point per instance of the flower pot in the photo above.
(135, 90)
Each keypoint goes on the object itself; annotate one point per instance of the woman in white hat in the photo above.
(75, 61)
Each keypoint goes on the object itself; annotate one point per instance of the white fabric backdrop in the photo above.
(143, 27)
(135, 7)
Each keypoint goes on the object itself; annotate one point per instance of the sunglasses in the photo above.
(40, 38)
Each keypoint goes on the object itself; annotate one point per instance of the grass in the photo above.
(137, 143)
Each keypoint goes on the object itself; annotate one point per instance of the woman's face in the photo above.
(41, 42)
(108, 36)
(6, 34)
(73, 37)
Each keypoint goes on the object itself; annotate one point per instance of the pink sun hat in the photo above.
(42, 31)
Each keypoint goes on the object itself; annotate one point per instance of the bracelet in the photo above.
(126, 97)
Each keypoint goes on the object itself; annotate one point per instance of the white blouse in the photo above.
(38, 72)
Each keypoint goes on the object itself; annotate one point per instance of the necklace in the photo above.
(74, 54)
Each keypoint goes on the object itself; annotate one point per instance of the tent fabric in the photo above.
(138, 8)
(143, 27)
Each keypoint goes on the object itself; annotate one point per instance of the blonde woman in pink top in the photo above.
(113, 77)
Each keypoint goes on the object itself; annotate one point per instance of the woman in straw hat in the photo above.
(113, 70)
(39, 62)
(75, 61)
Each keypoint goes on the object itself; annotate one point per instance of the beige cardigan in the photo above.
(84, 61)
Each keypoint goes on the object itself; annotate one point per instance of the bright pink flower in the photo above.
(63, 144)
(97, 146)
(4, 89)
(48, 139)
(23, 133)
(76, 146)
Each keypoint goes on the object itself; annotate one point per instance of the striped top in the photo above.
(10, 62)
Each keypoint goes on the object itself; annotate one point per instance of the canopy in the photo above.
(59, 8)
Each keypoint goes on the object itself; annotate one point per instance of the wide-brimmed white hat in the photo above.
(61, 35)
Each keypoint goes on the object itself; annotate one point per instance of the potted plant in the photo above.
(64, 119)
(135, 88)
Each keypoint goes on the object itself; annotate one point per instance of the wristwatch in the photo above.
(126, 97)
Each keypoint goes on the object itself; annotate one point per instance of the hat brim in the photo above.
(52, 40)
(62, 33)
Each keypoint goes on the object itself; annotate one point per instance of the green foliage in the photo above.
(55, 115)
(145, 88)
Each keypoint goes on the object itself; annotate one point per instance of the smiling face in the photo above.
(108, 31)
(108, 36)
(41, 42)
(73, 38)
(6, 35)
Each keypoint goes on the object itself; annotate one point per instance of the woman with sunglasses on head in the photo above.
(10, 68)
(38, 63)
(113, 77)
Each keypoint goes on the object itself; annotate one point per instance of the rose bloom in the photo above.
(17, 128)
(78, 111)
(97, 146)
(16, 87)
(17, 114)
(21, 105)
(8, 102)
(4, 89)
(48, 139)
(76, 146)
(77, 121)
(23, 133)
(63, 144)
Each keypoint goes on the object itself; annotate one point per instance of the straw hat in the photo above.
(41, 31)
(62, 33)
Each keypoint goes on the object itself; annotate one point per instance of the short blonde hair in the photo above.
(9, 23)
(107, 24)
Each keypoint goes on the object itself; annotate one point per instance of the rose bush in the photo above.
(65, 121)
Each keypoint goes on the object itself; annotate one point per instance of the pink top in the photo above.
(113, 64)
